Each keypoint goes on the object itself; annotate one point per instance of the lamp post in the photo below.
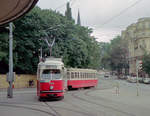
(10, 77)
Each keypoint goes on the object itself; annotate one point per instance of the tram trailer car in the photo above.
(50, 82)
(81, 78)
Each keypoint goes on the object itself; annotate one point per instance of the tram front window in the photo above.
(52, 74)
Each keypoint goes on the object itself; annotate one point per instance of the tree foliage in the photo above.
(115, 54)
(146, 63)
(68, 12)
(72, 42)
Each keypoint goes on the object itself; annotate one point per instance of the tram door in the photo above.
(65, 78)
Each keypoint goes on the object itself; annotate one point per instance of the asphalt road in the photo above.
(105, 100)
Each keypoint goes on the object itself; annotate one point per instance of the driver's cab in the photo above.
(51, 69)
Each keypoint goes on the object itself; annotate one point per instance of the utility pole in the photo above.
(137, 81)
(138, 67)
(10, 75)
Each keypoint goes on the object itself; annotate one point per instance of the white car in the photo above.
(146, 80)
(132, 79)
(107, 74)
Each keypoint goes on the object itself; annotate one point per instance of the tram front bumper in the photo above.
(51, 93)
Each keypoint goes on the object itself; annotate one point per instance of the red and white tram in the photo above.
(81, 78)
(53, 79)
(50, 83)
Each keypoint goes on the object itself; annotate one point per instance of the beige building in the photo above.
(138, 39)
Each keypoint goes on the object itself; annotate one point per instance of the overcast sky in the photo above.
(106, 17)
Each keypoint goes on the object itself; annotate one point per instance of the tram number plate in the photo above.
(50, 95)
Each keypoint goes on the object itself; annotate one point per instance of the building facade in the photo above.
(137, 36)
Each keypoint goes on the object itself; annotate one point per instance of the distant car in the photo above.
(132, 79)
(146, 80)
(107, 75)
(140, 79)
(122, 77)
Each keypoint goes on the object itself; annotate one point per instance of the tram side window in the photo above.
(90, 75)
(94, 75)
(68, 75)
(80, 75)
(72, 75)
(85, 75)
(76, 75)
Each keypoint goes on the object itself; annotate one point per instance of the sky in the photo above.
(107, 18)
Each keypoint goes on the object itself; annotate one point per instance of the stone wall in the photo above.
(21, 81)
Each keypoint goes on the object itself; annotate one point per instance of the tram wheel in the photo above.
(69, 87)
(40, 99)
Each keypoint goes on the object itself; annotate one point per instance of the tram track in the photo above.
(78, 107)
(20, 103)
(56, 113)
(51, 108)
(27, 108)
(100, 104)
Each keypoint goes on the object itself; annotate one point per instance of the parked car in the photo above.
(140, 79)
(132, 79)
(146, 80)
(122, 77)
(106, 75)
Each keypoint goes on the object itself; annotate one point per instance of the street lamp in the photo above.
(10, 76)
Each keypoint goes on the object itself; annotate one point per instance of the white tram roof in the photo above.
(57, 62)
(81, 70)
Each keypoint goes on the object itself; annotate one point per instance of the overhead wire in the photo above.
(121, 12)
(64, 4)
(109, 20)
(73, 2)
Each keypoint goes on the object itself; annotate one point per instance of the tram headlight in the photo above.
(51, 87)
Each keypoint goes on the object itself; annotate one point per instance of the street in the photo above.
(105, 100)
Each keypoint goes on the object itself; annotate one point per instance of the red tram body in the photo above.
(50, 83)
(81, 78)
(53, 79)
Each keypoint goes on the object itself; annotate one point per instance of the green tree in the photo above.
(68, 12)
(72, 42)
(115, 54)
(146, 63)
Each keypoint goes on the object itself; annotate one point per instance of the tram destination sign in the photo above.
(51, 66)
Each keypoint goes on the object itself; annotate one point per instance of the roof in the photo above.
(52, 61)
(81, 70)
(13, 9)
